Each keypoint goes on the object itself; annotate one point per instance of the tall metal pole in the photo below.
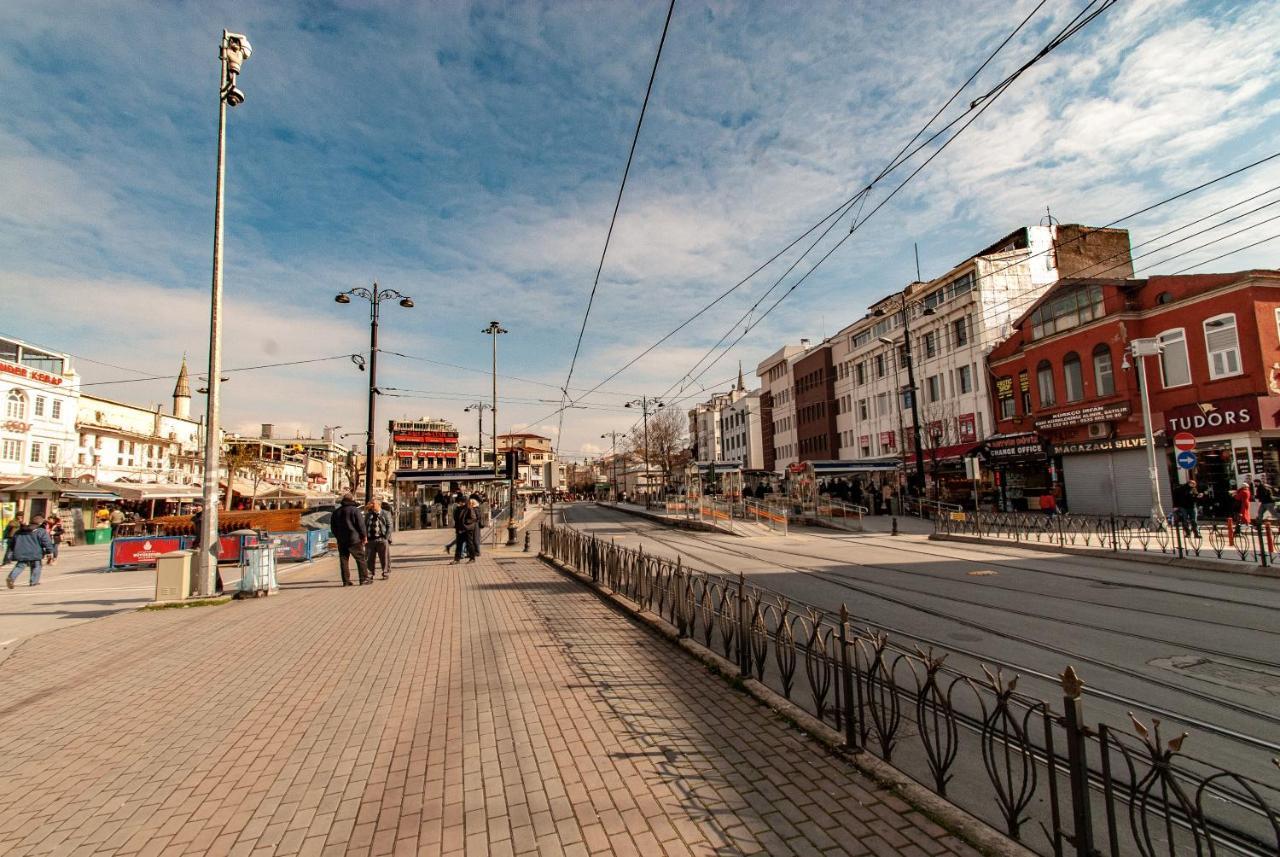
(911, 382)
(370, 440)
(648, 483)
(207, 562)
(1141, 349)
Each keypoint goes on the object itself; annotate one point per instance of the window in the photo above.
(879, 365)
(1044, 383)
(1072, 377)
(53, 454)
(933, 387)
(862, 409)
(1007, 409)
(906, 400)
(960, 331)
(35, 452)
(930, 340)
(1175, 369)
(56, 412)
(860, 369)
(39, 409)
(1223, 344)
(11, 450)
(964, 379)
(16, 406)
(1024, 387)
(1103, 375)
(1065, 310)
(882, 404)
(1163, 298)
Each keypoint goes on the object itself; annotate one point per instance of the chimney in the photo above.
(328, 434)
(804, 343)
(267, 430)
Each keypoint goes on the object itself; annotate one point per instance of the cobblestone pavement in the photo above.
(492, 708)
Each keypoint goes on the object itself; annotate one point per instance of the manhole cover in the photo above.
(1218, 672)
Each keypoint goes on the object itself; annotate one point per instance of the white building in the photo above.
(740, 437)
(706, 431)
(778, 407)
(38, 433)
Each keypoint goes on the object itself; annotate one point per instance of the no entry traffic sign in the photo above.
(1184, 441)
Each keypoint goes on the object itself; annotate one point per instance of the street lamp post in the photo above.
(905, 309)
(1141, 350)
(644, 402)
(232, 51)
(613, 461)
(494, 330)
(375, 297)
(479, 408)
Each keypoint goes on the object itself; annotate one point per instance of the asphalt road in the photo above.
(1199, 650)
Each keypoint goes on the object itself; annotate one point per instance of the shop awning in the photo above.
(39, 485)
(854, 465)
(88, 494)
(155, 491)
(435, 477)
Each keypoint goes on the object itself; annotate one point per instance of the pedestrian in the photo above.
(349, 531)
(115, 519)
(466, 528)
(1185, 508)
(11, 530)
(377, 523)
(472, 520)
(54, 526)
(1266, 499)
(886, 497)
(30, 546)
(1048, 504)
(1243, 498)
(197, 518)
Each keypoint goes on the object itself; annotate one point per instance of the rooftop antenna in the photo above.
(1049, 219)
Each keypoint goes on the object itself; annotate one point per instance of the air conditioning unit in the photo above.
(1098, 431)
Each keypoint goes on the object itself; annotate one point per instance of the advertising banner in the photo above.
(142, 550)
(290, 547)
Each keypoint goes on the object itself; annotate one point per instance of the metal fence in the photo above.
(1253, 542)
(1044, 775)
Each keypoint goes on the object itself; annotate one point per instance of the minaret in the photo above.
(182, 393)
(742, 388)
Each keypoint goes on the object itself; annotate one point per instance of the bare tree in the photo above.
(241, 458)
(668, 441)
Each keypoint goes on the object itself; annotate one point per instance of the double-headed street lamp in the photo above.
(613, 461)
(232, 51)
(905, 309)
(479, 408)
(494, 330)
(375, 297)
(644, 403)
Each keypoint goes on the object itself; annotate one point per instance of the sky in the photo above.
(469, 155)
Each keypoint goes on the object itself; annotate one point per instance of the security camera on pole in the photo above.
(1141, 350)
(233, 51)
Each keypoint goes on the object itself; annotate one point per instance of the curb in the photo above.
(957, 821)
(1222, 566)
(675, 523)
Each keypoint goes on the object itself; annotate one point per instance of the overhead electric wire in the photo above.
(79, 356)
(898, 159)
(1168, 259)
(1228, 253)
(1082, 19)
(635, 139)
(174, 375)
(485, 372)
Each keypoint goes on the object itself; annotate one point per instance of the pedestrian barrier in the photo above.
(837, 513)
(143, 551)
(1253, 542)
(1038, 770)
(771, 515)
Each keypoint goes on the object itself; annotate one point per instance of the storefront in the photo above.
(1236, 439)
(1021, 470)
(1110, 477)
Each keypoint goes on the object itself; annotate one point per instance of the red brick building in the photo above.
(815, 405)
(1068, 406)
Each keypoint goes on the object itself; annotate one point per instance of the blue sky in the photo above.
(468, 155)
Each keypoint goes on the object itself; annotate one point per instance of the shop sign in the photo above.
(1113, 445)
(968, 425)
(18, 426)
(423, 437)
(887, 439)
(1004, 387)
(29, 373)
(864, 440)
(1084, 416)
(1015, 446)
(1225, 416)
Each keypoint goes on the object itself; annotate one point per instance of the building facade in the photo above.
(539, 471)
(41, 389)
(1067, 390)
(778, 407)
(740, 434)
(424, 444)
(815, 413)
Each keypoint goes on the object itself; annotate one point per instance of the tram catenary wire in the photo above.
(980, 657)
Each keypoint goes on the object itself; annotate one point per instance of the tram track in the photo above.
(845, 583)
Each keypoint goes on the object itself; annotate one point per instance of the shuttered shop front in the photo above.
(1112, 481)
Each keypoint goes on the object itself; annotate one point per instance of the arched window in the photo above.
(1044, 383)
(16, 406)
(1103, 376)
(1072, 377)
(1163, 298)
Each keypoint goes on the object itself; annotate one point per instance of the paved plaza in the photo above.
(491, 708)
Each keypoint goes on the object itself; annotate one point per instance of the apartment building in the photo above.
(779, 440)
(740, 431)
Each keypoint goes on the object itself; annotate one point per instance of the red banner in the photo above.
(142, 550)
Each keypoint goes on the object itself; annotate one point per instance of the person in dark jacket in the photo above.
(377, 523)
(466, 530)
(11, 530)
(349, 531)
(1186, 510)
(31, 544)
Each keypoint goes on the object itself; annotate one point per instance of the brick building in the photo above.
(1067, 401)
(815, 405)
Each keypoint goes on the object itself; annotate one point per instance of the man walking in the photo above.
(31, 544)
(350, 533)
(1186, 510)
(466, 526)
(377, 523)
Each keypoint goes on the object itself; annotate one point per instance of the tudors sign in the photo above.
(1083, 416)
(1224, 416)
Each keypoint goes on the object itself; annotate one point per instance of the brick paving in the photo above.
(495, 708)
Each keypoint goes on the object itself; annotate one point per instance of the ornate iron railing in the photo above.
(1253, 542)
(1043, 775)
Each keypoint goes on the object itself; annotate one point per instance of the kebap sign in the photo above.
(1225, 416)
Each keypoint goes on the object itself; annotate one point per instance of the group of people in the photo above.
(877, 498)
(362, 534)
(30, 545)
(467, 522)
(1188, 498)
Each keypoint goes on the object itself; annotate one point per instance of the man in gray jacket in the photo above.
(31, 544)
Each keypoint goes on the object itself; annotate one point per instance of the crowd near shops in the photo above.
(1015, 382)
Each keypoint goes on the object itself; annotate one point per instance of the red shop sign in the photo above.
(142, 551)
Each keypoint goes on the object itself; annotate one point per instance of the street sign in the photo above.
(1186, 460)
(1184, 441)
